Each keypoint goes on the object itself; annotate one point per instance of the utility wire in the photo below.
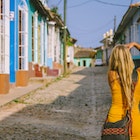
(107, 3)
(91, 31)
(80, 4)
(111, 3)
(58, 3)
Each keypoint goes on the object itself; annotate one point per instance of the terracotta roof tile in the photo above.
(85, 54)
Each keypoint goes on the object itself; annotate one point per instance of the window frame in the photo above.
(4, 36)
(22, 37)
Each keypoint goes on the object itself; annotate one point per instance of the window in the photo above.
(2, 50)
(1, 9)
(4, 36)
(55, 53)
(138, 30)
(22, 38)
(129, 33)
(78, 63)
(134, 32)
(39, 44)
(84, 63)
(135, 37)
(33, 38)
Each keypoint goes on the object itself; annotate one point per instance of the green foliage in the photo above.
(69, 43)
(55, 10)
(68, 39)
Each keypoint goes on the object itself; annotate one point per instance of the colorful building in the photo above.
(38, 38)
(129, 30)
(4, 46)
(84, 57)
(55, 46)
(19, 39)
(30, 42)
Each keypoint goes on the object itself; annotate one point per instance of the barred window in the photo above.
(39, 44)
(22, 38)
(4, 36)
(1, 9)
(33, 38)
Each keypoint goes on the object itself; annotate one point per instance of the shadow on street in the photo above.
(73, 108)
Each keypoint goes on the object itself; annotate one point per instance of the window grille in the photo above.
(4, 36)
(134, 37)
(34, 37)
(39, 44)
(33, 45)
(22, 38)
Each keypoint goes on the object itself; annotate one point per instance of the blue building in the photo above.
(19, 42)
(38, 37)
(129, 30)
(28, 42)
(30, 45)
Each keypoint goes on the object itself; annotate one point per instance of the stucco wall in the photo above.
(80, 62)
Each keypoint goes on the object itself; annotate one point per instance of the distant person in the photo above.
(68, 61)
(121, 84)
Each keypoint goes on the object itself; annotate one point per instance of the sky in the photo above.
(88, 20)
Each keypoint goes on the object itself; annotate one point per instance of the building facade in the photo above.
(84, 57)
(38, 38)
(4, 46)
(29, 43)
(129, 30)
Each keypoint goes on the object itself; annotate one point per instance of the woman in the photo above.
(120, 80)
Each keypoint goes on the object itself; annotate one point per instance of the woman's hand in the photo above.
(130, 45)
(133, 44)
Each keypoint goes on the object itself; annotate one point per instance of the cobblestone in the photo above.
(73, 108)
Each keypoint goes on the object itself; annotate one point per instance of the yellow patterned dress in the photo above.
(118, 106)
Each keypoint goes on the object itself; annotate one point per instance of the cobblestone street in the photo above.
(72, 108)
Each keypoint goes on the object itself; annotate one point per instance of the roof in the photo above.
(98, 48)
(57, 19)
(73, 40)
(41, 9)
(46, 12)
(126, 19)
(85, 54)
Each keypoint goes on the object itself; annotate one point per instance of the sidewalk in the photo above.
(17, 92)
(34, 84)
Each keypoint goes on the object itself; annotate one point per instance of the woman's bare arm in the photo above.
(133, 44)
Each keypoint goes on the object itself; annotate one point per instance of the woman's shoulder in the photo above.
(112, 75)
(138, 69)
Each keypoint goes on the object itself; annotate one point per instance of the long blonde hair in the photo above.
(121, 61)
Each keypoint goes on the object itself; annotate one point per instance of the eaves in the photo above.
(41, 9)
(125, 20)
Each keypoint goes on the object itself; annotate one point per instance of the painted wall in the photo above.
(42, 22)
(12, 42)
(71, 53)
(4, 46)
(31, 13)
(14, 6)
(51, 43)
(99, 54)
(132, 33)
(83, 62)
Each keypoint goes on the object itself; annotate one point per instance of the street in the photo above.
(73, 108)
